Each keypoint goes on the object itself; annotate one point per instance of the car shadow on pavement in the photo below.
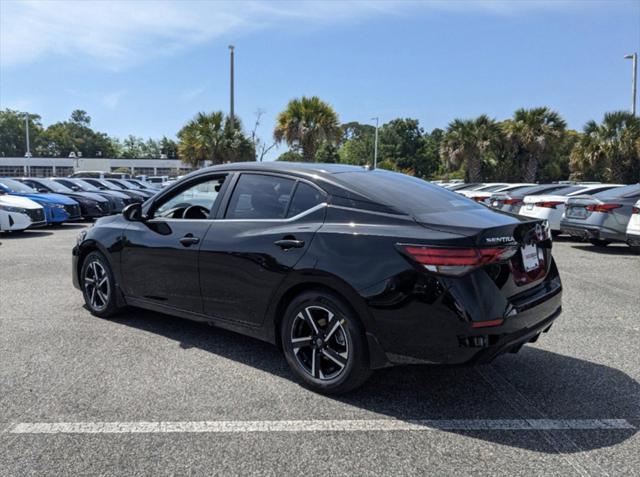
(533, 384)
(620, 249)
(24, 235)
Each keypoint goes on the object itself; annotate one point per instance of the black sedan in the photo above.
(345, 269)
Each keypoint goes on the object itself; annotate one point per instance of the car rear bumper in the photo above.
(585, 231)
(445, 327)
(633, 239)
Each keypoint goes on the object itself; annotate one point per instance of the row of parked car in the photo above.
(594, 212)
(29, 202)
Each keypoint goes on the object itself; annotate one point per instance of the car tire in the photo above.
(599, 242)
(98, 286)
(324, 343)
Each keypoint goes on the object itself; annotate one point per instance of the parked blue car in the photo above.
(57, 208)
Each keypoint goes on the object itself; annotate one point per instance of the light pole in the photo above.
(375, 144)
(634, 81)
(231, 114)
(28, 153)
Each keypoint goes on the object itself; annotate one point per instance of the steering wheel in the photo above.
(195, 212)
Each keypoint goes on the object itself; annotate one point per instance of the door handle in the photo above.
(189, 240)
(286, 244)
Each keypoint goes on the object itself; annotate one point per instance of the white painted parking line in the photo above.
(357, 425)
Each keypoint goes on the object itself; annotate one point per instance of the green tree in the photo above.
(76, 136)
(13, 134)
(212, 137)
(534, 133)
(305, 124)
(608, 151)
(467, 143)
(327, 153)
(290, 156)
(357, 143)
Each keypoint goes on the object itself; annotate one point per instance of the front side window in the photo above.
(260, 197)
(194, 202)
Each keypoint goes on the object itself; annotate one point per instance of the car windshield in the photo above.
(135, 183)
(103, 183)
(56, 186)
(116, 183)
(406, 193)
(491, 188)
(626, 191)
(84, 185)
(16, 186)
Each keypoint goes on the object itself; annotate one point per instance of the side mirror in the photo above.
(43, 190)
(133, 212)
(75, 188)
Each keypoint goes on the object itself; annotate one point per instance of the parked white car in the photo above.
(483, 195)
(633, 228)
(19, 213)
(551, 207)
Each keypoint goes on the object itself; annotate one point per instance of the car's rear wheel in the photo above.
(599, 242)
(98, 286)
(324, 343)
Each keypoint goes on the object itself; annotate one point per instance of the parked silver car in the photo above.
(601, 218)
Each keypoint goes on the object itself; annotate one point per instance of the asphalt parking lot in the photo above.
(155, 395)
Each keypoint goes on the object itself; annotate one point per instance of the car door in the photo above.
(159, 259)
(265, 230)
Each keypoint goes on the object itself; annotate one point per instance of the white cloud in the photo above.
(112, 100)
(117, 34)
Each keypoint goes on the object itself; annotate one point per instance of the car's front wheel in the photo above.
(324, 343)
(98, 286)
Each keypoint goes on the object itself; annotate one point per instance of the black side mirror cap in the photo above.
(133, 212)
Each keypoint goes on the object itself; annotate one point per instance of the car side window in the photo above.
(304, 198)
(259, 196)
(194, 202)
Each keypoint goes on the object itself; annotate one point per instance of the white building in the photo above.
(61, 166)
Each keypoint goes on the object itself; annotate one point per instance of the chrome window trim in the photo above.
(290, 219)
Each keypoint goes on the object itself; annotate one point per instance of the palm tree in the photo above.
(210, 137)
(608, 151)
(467, 142)
(305, 124)
(534, 132)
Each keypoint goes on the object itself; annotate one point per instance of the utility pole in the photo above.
(375, 144)
(231, 113)
(634, 80)
(28, 153)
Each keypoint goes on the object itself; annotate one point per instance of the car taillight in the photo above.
(549, 204)
(456, 261)
(602, 207)
(512, 201)
(635, 210)
(480, 198)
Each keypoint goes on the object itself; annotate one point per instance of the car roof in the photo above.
(291, 167)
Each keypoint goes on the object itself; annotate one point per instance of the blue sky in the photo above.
(145, 68)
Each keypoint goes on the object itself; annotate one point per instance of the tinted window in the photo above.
(304, 198)
(626, 191)
(541, 189)
(16, 186)
(260, 197)
(567, 190)
(405, 193)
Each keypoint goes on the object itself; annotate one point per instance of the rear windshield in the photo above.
(405, 193)
(626, 191)
(567, 190)
(539, 189)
